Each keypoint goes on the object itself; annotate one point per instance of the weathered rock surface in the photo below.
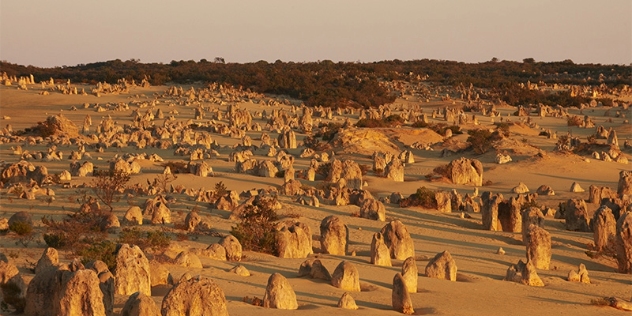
(139, 304)
(346, 277)
(442, 266)
(195, 296)
(334, 236)
(132, 271)
(293, 241)
(279, 293)
(398, 240)
(400, 297)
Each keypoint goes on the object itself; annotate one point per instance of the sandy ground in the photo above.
(479, 289)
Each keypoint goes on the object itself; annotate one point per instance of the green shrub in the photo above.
(57, 240)
(424, 197)
(104, 251)
(21, 228)
(256, 229)
(482, 140)
(156, 240)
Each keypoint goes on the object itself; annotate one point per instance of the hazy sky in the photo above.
(67, 32)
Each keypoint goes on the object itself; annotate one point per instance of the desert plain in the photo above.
(480, 287)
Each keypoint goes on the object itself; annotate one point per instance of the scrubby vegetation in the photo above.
(109, 186)
(348, 83)
(424, 197)
(256, 229)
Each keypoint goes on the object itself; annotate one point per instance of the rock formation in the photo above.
(346, 277)
(401, 297)
(465, 171)
(442, 266)
(132, 271)
(538, 242)
(624, 243)
(410, 274)
(334, 236)
(195, 296)
(380, 254)
(279, 293)
(604, 228)
(293, 241)
(398, 240)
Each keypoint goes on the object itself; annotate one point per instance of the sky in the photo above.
(70, 32)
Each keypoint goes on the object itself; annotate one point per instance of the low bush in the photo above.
(153, 239)
(21, 228)
(424, 197)
(104, 251)
(256, 229)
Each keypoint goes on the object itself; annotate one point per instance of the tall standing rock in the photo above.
(334, 236)
(604, 227)
(294, 241)
(80, 294)
(49, 258)
(287, 139)
(279, 293)
(442, 266)
(624, 243)
(196, 296)
(531, 216)
(346, 277)
(465, 171)
(410, 274)
(444, 201)
(538, 242)
(489, 211)
(625, 183)
(401, 297)
(380, 254)
(576, 215)
(395, 170)
(132, 271)
(398, 240)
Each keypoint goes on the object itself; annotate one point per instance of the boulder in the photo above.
(444, 201)
(604, 228)
(465, 171)
(410, 274)
(314, 269)
(334, 236)
(545, 190)
(194, 296)
(232, 246)
(188, 260)
(50, 258)
(279, 293)
(395, 170)
(346, 277)
(293, 241)
(521, 188)
(624, 243)
(401, 297)
(442, 266)
(576, 215)
(240, 270)
(132, 271)
(192, 220)
(139, 304)
(21, 217)
(79, 294)
(576, 188)
(380, 254)
(133, 216)
(13, 287)
(159, 274)
(398, 240)
(347, 302)
(502, 159)
(538, 242)
(625, 183)
(214, 251)
(373, 209)
(580, 276)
